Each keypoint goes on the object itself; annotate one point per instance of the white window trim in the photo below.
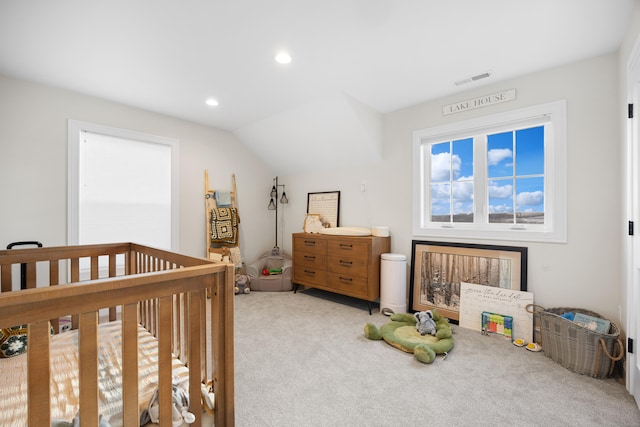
(555, 228)
(75, 129)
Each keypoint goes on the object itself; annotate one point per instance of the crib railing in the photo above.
(163, 291)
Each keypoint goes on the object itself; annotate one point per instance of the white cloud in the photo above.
(440, 164)
(497, 155)
(500, 208)
(532, 198)
(441, 191)
(500, 191)
(462, 191)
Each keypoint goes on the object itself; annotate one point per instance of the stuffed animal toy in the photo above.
(425, 323)
(180, 412)
(401, 333)
(76, 422)
(208, 397)
(226, 252)
(242, 284)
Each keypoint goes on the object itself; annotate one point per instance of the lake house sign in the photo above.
(483, 101)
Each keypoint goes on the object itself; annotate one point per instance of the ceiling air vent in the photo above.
(473, 79)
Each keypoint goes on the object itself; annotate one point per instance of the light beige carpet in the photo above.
(302, 360)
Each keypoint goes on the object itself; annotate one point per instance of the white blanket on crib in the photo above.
(64, 381)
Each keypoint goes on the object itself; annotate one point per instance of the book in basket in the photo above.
(592, 323)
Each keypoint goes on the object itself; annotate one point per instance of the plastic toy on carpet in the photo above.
(401, 333)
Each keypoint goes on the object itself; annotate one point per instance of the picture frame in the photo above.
(438, 268)
(327, 205)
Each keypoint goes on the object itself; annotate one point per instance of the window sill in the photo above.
(454, 231)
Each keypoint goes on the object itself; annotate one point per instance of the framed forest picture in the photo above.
(438, 268)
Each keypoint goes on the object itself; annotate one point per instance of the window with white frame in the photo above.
(497, 177)
(122, 187)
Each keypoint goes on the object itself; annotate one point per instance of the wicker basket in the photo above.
(575, 347)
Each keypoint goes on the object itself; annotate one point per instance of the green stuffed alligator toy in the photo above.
(402, 333)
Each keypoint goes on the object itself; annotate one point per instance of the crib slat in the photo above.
(154, 317)
(181, 338)
(175, 346)
(31, 275)
(130, 365)
(164, 359)
(39, 393)
(222, 321)
(5, 277)
(112, 265)
(195, 362)
(75, 270)
(204, 335)
(75, 277)
(94, 268)
(88, 368)
(54, 273)
(112, 273)
(54, 279)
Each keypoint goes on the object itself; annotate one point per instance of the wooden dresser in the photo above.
(345, 265)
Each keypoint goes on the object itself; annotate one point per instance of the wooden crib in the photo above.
(164, 292)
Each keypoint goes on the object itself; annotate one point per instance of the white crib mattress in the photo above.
(64, 381)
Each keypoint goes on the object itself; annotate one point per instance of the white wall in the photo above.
(583, 273)
(33, 167)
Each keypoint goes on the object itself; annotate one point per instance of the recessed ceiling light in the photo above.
(283, 58)
(212, 102)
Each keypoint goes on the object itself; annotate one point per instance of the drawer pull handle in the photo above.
(309, 257)
(346, 262)
(346, 279)
(310, 242)
(345, 245)
(310, 272)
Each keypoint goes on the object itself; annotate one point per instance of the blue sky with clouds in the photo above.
(520, 167)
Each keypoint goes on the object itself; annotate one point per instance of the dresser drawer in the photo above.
(349, 264)
(346, 283)
(352, 249)
(309, 276)
(309, 260)
(310, 244)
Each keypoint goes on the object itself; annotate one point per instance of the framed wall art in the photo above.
(438, 269)
(327, 205)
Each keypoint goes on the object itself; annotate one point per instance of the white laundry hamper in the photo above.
(393, 284)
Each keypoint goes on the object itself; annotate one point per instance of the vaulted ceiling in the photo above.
(352, 60)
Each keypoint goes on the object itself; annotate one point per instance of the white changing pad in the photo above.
(64, 381)
(346, 231)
